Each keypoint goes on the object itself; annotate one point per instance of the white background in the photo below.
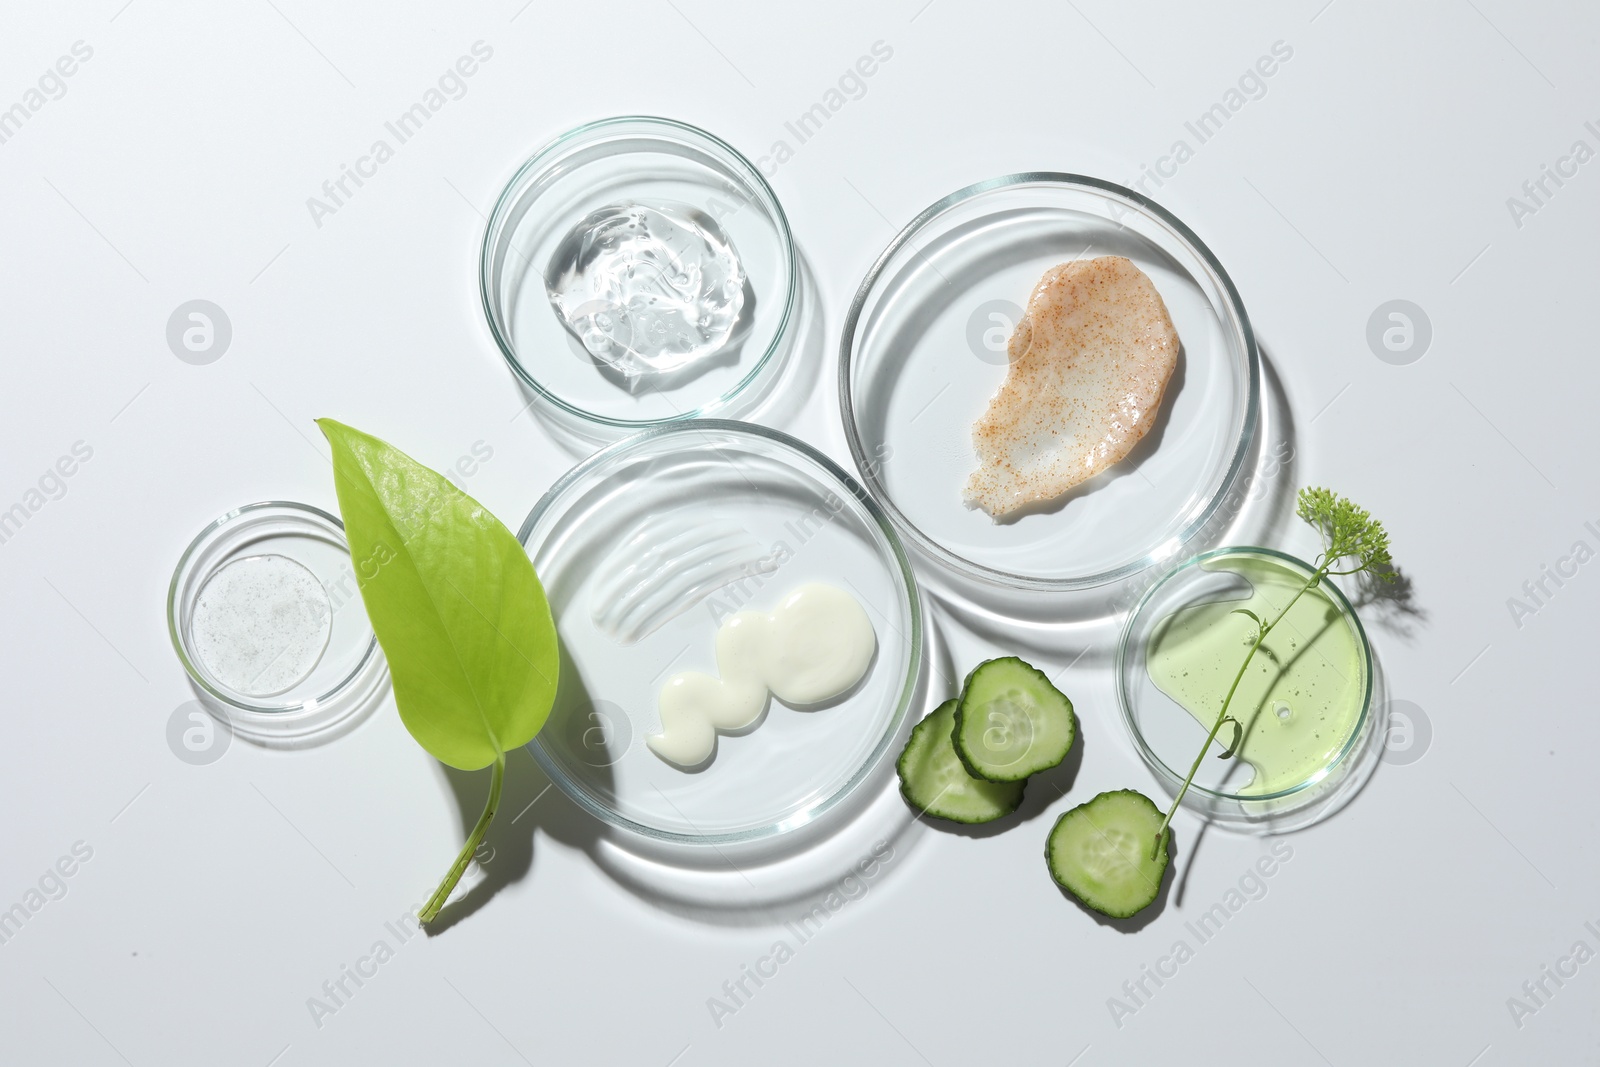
(219, 898)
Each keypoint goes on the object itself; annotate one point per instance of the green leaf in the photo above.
(1238, 735)
(1253, 615)
(458, 609)
(453, 599)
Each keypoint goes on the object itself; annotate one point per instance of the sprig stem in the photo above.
(1349, 533)
(1222, 715)
(497, 781)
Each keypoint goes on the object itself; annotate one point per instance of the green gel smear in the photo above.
(1310, 664)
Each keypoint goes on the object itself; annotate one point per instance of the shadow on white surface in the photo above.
(751, 884)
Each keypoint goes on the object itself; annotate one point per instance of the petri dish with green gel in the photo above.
(1303, 703)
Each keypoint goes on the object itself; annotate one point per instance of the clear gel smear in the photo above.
(648, 288)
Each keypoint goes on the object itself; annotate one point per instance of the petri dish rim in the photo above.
(1175, 778)
(915, 639)
(175, 628)
(495, 231)
(1240, 322)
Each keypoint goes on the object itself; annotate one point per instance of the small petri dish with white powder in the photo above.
(266, 616)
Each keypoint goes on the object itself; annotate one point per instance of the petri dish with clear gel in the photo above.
(644, 549)
(924, 349)
(266, 616)
(639, 271)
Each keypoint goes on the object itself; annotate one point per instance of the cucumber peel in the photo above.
(1100, 853)
(1010, 722)
(933, 780)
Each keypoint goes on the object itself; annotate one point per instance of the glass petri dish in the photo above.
(652, 162)
(923, 350)
(758, 497)
(1304, 705)
(266, 617)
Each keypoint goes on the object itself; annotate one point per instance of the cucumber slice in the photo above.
(1011, 722)
(1100, 853)
(933, 780)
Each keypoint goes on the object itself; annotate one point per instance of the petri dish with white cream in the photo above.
(739, 523)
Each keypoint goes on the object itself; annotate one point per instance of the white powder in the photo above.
(260, 624)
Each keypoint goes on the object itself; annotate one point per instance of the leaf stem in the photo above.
(1222, 715)
(430, 910)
